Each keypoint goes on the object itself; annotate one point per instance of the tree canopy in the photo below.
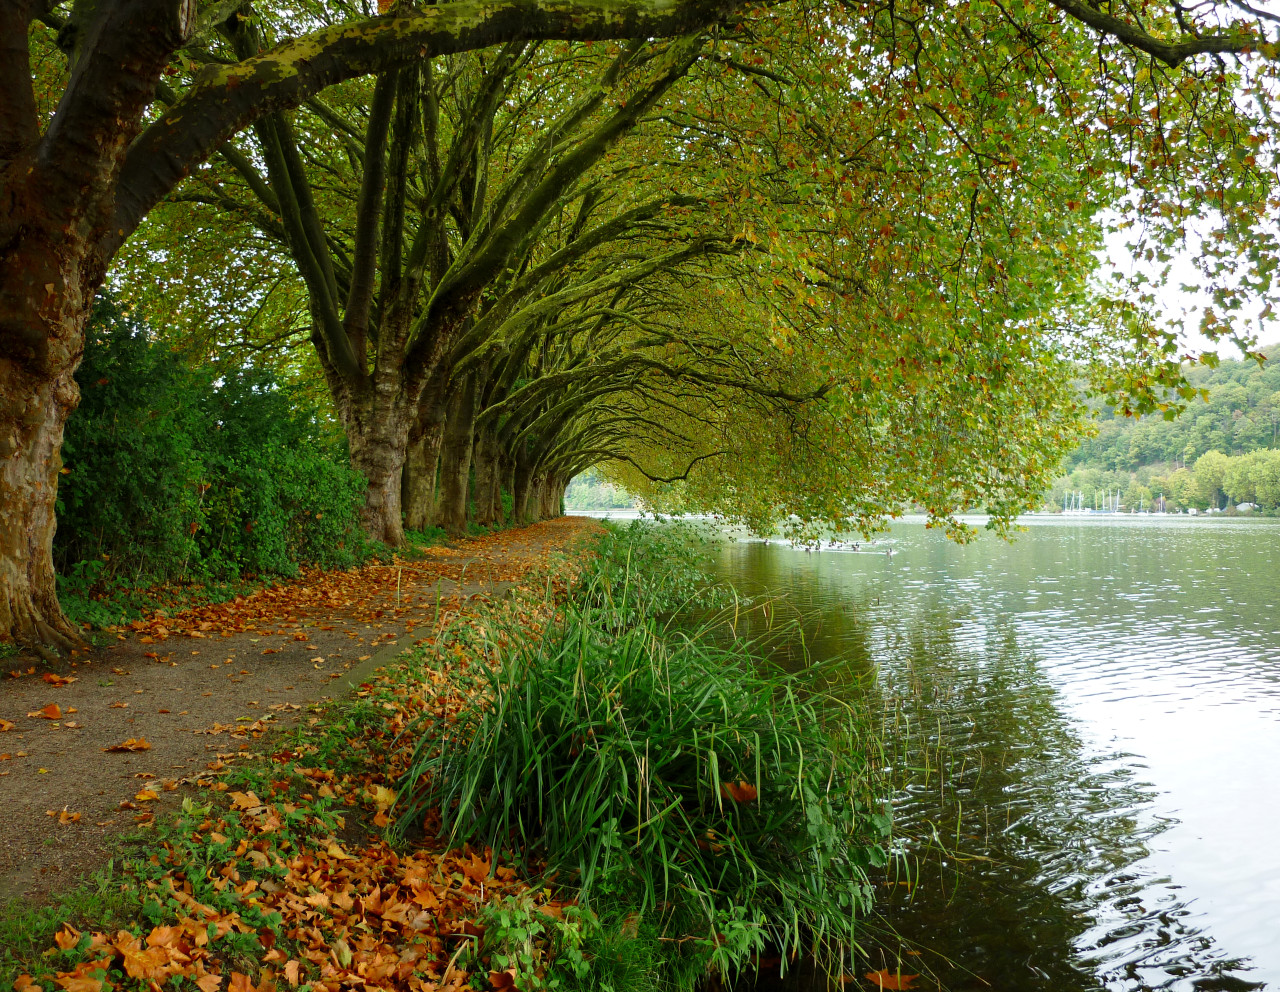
(820, 259)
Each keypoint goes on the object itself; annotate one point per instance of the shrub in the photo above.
(732, 809)
(172, 473)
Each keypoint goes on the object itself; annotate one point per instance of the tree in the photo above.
(1210, 470)
(76, 187)
(78, 177)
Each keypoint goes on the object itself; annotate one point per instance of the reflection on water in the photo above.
(1085, 732)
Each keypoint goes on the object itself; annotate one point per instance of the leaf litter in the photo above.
(327, 904)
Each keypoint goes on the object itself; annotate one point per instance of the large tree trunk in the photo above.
(44, 302)
(521, 489)
(455, 456)
(377, 418)
(418, 488)
(550, 507)
(488, 474)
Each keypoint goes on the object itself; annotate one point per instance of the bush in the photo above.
(730, 809)
(171, 473)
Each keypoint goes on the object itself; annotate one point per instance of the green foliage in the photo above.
(730, 809)
(586, 952)
(1239, 412)
(643, 570)
(173, 474)
(589, 491)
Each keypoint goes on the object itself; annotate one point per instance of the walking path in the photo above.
(103, 743)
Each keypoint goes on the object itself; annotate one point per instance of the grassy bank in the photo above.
(556, 791)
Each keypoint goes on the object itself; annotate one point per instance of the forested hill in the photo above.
(1241, 415)
(1237, 428)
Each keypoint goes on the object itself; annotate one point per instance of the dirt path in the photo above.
(210, 681)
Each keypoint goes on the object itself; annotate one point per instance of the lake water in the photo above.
(1084, 728)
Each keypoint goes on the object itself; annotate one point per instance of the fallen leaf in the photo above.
(58, 680)
(79, 983)
(6, 725)
(131, 744)
(886, 979)
(67, 937)
(146, 796)
(209, 983)
(739, 792)
(51, 712)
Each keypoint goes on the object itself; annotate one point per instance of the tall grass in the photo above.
(731, 809)
(644, 570)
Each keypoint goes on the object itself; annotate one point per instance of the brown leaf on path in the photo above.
(146, 796)
(130, 744)
(6, 725)
(886, 979)
(58, 680)
(51, 712)
(67, 937)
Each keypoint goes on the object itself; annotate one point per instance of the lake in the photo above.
(1083, 728)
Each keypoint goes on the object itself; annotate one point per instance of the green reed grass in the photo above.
(669, 774)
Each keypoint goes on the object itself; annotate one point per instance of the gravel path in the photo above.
(210, 682)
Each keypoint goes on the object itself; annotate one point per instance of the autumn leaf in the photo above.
(240, 983)
(739, 792)
(79, 983)
(58, 680)
(886, 979)
(6, 725)
(504, 979)
(209, 983)
(146, 796)
(51, 712)
(138, 962)
(131, 744)
(23, 983)
(291, 973)
(67, 938)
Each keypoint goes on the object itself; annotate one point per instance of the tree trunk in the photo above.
(550, 498)
(44, 303)
(488, 473)
(455, 456)
(377, 419)
(521, 489)
(418, 487)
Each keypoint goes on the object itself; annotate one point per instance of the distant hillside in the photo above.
(1238, 428)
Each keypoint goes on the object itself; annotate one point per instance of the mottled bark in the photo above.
(455, 457)
(418, 487)
(43, 309)
(488, 474)
(376, 417)
(521, 487)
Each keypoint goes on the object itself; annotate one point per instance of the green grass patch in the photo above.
(730, 810)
